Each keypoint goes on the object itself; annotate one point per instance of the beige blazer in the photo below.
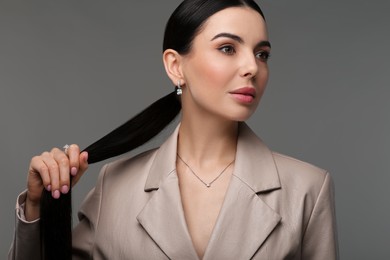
(276, 207)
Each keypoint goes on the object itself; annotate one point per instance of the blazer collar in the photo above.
(164, 163)
(244, 218)
(254, 163)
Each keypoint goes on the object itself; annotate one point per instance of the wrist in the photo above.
(31, 210)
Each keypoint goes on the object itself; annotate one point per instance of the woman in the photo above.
(213, 190)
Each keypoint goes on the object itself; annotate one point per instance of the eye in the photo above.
(228, 49)
(263, 55)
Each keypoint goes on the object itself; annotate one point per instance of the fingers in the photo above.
(58, 167)
(54, 169)
(73, 155)
(83, 166)
(38, 165)
(60, 177)
(83, 157)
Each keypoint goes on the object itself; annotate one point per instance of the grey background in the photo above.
(70, 71)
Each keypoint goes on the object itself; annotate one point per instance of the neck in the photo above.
(207, 140)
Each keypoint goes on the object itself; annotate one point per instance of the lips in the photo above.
(244, 95)
(246, 91)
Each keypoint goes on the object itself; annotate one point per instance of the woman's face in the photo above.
(226, 71)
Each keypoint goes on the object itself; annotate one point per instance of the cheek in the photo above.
(211, 73)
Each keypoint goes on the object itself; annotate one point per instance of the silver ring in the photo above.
(66, 147)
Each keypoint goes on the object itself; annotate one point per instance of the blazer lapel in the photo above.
(245, 221)
(163, 216)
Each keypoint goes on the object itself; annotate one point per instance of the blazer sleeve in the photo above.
(320, 237)
(26, 242)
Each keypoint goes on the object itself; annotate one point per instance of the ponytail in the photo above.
(56, 214)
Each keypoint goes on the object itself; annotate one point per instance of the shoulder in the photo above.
(296, 175)
(141, 160)
(119, 179)
(289, 165)
(128, 170)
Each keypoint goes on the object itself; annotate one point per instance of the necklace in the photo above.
(208, 185)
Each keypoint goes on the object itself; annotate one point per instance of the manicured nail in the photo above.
(73, 171)
(56, 194)
(64, 189)
(48, 188)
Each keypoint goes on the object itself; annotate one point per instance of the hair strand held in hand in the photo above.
(56, 214)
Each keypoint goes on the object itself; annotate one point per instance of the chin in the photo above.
(240, 112)
(241, 116)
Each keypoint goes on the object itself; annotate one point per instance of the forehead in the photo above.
(242, 21)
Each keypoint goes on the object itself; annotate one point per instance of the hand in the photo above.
(51, 171)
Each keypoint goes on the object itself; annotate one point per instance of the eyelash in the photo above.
(262, 55)
(231, 52)
(267, 55)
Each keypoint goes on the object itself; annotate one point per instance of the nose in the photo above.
(249, 66)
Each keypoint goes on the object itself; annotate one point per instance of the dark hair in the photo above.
(189, 17)
(182, 27)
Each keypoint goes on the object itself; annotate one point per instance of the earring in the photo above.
(179, 91)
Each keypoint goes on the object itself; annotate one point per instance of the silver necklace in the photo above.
(208, 185)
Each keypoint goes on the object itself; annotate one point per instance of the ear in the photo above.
(172, 64)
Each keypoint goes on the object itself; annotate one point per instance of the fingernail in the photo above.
(73, 171)
(56, 194)
(48, 188)
(86, 157)
(64, 189)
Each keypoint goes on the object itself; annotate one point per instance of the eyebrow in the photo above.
(239, 39)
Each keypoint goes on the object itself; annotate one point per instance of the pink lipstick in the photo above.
(244, 95)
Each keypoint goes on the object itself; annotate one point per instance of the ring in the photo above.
(66, 147)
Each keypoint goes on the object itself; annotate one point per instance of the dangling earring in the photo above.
(179, 91)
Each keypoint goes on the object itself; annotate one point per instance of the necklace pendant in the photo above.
(208, 185)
